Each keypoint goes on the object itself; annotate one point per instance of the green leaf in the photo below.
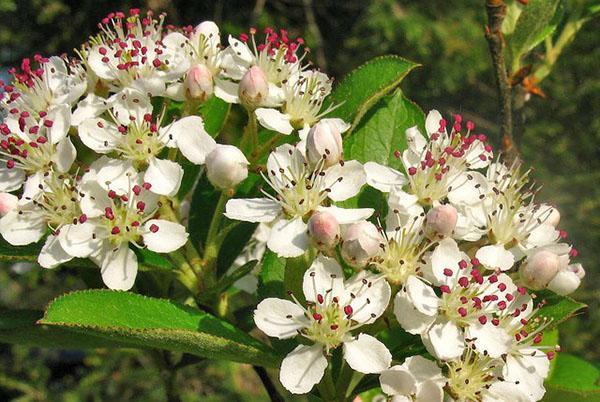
(573, 380)
(381, 132)
(214, 112)
(536, 21)
(155, 323)
(364, 86)
(271, 276)
(20, 327)
(558, 308)
(10, 253)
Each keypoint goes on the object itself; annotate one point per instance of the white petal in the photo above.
(8, 202)
(119, 268)
(11, 179)
(60, 116)
(175, 91)
(130, 103)
(95, 199)
(368, 295)
(445, 256)
(416, 143)
(398, 381)
(367, 355)
(23, 228)
(302, 368)
(495, 257)
(192, 140)
(542, 235)
(444, 340)
(274, 120)
(432, 122)
(413, 321)
(423, 369)
(240, 49)
(325, 278)
(99, 135)
(348, 215)
(52, 254)
(78, 240)
(429, 391)
(65, 155)
(103, 70)
(116, 175)
(338, 123)
(164, 176)
(565, 282)
(164, 236)
(352, 176)
(473, 186)
(495, 340)
(289, 238)
(279, 318)
(31, 189)
(502, 391)
(88, 108)
(422, 296)
(252, 209)
(383, 178)
(226, 90)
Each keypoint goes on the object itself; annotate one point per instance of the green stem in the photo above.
(213, 243)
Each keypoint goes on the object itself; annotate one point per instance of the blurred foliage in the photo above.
(559, 136)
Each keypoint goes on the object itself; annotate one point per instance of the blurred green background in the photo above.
(558, 134)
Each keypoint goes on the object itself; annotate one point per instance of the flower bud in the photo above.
(539, 269)
(324, 230)
(226, 166)
(441, 220)
(253, 88)
(8, 202)
(360, 243)
(578, 270)
(207, 28)
(199, 82)
(324, 141)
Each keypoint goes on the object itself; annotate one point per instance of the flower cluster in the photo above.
(462, 247)
(463, 244)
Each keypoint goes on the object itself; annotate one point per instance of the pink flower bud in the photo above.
(324, 230)
(441, 220)
(199, 82)
(566, 281)
(226, 166)
(324, 141)
(360, 243)
(578, 270)
(539, 269)
(253, 88)
(8, 202)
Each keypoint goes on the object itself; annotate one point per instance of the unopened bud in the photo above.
(253, 88)
(8, 202)
(324, 229)
(226, 166)
(540, 269)
(578, 270)
(441, 220)
(360, 243)
(324, 142)
(199, 82)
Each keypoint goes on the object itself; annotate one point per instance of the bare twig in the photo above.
(268, 384)
(496, 11)
(313, 27)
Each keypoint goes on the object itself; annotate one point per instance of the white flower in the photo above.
(303, 96)
(464, 310)
(417, 379)
(335, 309)
(120, 211)
(139, 138)
(34, 144)
(133, 52)
(49, 201)
(56, 82)
(299, 192)
(276, 57)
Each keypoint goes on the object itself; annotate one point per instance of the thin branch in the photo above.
(313, 27)
(268, 384)
(496, 11)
